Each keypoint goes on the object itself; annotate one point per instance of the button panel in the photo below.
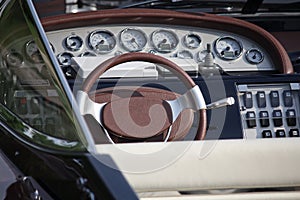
(270, 111)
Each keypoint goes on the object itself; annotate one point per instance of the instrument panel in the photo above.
(232, 52)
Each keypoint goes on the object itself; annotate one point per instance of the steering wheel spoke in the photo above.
(192, 99)
(87, 106)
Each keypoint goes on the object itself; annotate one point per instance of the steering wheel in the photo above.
(144, 113)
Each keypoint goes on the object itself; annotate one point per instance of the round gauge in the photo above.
(133, 39)
(202, 54)
(73, 43)
(33, 52)
(185, 54)
(228, 48)
(87, 54)
(192, 41)
(164, 41)
(102, 41)
(65, 58)
(14, 59)
(254, 56)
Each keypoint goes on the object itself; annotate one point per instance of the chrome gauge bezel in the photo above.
(63, 54)
(102, 51)
(188, 44)
(126, 46)
(76, 45)
(223, 55)
(170, 33)
(249, 59)
(36, 56)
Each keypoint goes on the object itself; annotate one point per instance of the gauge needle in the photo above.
(134, 41)
(100, 43)
(254, 56)
(164, 41)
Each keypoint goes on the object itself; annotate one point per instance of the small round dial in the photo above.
(14, 59)
(65, 58)
(73, 43)
(228, 48)
(254, 56)
(192, 41)
(133, 39)
(33, 53)
(164, 41)
(102, 41)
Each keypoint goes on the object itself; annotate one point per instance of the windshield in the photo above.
(33, 101)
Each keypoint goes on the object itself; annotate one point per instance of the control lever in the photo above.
(221, 103)
(209, 67)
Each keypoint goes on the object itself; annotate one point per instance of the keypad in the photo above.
(270, 111)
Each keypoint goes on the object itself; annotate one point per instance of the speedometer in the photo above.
(164, 41)
(228, 48)
(102, 41)
(133, 39)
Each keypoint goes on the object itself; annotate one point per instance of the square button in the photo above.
(294, 133)
(250, 119)
(280, 133)
(248, 101)
(291, 117)
(267, 134)
(274, 98)
(277, 118)
(287, 98)
(261, 99)
(264, 118)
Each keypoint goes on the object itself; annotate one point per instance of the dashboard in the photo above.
(186, 46)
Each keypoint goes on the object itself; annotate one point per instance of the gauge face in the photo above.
(33, 53)
(192, 41)
(254, 56)
(73, 43)
(228, 48)
(133, 39)
(102, 41)
(164, 41)
(65, 58)
(14, 59)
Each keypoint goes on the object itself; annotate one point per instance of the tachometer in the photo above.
(102, 41)
(164, 41)
(133, 39)
(228, 48)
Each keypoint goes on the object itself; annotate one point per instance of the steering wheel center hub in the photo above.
(137, 117)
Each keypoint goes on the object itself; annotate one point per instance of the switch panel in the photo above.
(269, 110)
